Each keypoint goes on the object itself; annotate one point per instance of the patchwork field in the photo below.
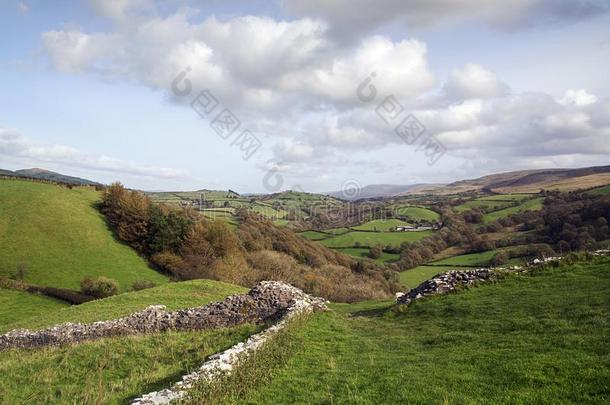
(363, 253)
(60, 247)
(355, 238)
(484, 204)
(417, 213)
(529, 205)
(381, 225)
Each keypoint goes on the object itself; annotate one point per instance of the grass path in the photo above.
(538, 338)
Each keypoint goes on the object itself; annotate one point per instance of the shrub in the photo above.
(100, 287)
(142, 285)
(499, 259)
(375, 252)
(167, 261)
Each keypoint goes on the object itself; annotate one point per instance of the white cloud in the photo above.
(578, 98)
(296, 83)
(74, 51)
(23, 8)
(258, 62)
(474, 81)
(27, 151)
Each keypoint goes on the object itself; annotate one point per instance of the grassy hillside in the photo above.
(381, 225)
(600, 191)
(536, 338)
(17, 305)
(413, 277)
(109, 370)
(350, 239)
(173, 295)
(485, 204)
(60, 237)
(360, 253)
(531, 205)
(417, 213)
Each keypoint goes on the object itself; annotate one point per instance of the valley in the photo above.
(165, 249)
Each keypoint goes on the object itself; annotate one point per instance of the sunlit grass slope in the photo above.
(60, 237)
(173, 295)
(535, 338)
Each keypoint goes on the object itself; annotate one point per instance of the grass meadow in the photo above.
(535, 338)
(60, 237)
(175, 296)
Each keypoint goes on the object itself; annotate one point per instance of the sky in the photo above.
(323, 95)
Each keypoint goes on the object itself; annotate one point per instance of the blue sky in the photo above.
(87, 89)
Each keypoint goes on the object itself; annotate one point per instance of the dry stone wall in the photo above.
(267, 301)
(225, 362)
(443, 283)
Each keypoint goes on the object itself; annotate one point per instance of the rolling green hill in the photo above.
(417, 213)
(184, 294)
(381, 225)
(352, 239)
(533, 338)
(15, 306)
(60, 237)
(529, 205)
(108, 370)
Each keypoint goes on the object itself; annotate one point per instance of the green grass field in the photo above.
(180, 295)
(605, 190)
(314, 235)
(337, 231)
(417, 213)
(506, 197)
(109, 370)
(61, 238)
(350, 239)
(364, 253)
(15, 306)
(381, 225)
(413, 277)
(485, 204)
(469, 259)
(535, 338)
(529, 205)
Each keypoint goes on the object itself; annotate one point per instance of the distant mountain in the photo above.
(531, 181)
(381, 190)
(42, 174)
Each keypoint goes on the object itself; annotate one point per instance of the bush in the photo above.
(142, 285)
(375, 252)
(499, 259)
(100, 287)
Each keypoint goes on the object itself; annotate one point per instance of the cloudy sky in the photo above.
(261, 95)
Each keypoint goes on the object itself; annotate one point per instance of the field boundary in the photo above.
(221, 364)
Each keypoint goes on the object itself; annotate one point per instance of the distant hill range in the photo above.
(532, 181)
(382, 190)
(522, 181)
(42, 174)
